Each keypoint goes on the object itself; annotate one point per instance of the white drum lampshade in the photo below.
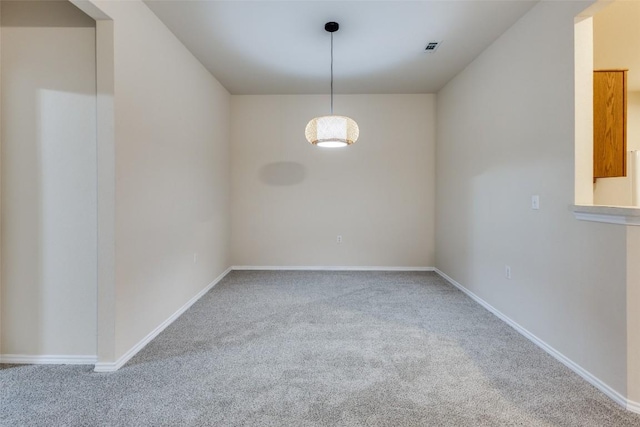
(332, 131)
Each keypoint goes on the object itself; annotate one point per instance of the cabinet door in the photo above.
(609, 123)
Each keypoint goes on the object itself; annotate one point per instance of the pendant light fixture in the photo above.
(332, 131)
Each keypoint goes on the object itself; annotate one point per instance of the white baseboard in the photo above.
(28, 359)
(590, 378)
(633, 406)
(114, 366)
(327, 268)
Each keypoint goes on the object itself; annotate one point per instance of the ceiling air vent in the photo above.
(432, 46)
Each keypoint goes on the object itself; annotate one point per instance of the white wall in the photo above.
(48, 180)
(583, 42)
(171, 173)
(290, 200)
(506, 132)
(618, 191)
(0, 179)
(616, 44)
(616, 39)
(633, 314)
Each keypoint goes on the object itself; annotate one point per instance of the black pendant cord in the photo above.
(332, 74)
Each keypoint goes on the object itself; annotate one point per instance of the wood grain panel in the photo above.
(609, 123)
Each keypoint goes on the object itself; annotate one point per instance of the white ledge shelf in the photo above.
(621, 215)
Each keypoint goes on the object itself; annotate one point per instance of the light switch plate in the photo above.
(535, 202)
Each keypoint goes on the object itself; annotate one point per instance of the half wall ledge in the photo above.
(621, 215)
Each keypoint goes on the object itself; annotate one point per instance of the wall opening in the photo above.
(49, 187)
(607, 36)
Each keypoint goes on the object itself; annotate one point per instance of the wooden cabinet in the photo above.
(609, 123)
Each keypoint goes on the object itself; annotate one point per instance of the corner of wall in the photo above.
(583, 63)
(1, 177)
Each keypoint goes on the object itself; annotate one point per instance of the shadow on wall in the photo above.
(281, 174)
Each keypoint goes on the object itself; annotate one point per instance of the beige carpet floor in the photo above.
(320, 349)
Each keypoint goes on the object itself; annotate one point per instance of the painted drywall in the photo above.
(583, 42)
(633, 121)
(618, 191)
(616, 44)
(616, 39)
(506, 132)
(633, 314)
(0, 179)
(48, 180)
(105, 73)
(172, 181)
(290, 200)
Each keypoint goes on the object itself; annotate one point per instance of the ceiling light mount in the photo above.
(332, 131)
(331, 27)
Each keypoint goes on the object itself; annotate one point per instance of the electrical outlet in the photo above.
(507, 272)
(339, 239)
(535, 202)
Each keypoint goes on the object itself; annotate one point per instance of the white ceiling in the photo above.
(281, 47)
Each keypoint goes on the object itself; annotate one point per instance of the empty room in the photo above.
(319, 213)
